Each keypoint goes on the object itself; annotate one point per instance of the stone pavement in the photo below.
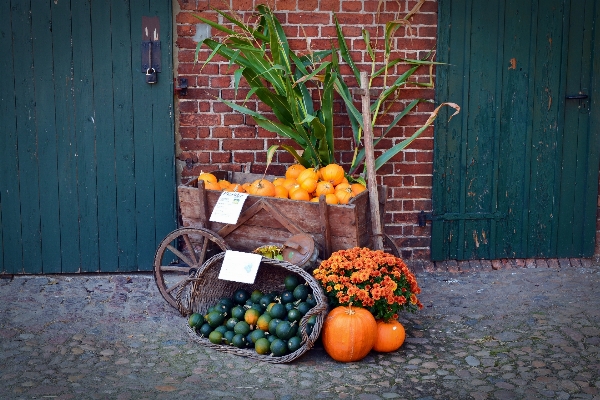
(520, 333)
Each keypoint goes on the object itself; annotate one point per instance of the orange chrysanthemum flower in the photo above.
(372, 279)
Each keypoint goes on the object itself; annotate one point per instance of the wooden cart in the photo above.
(263, 221)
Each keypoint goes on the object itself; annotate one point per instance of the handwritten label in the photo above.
(239, 266)
(228, 207)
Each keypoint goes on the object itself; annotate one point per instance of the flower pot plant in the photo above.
(373, 280)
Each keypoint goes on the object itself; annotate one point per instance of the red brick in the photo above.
(199, 119)
(205, 144)
(245, 144)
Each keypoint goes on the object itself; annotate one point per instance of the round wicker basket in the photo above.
(206, 290)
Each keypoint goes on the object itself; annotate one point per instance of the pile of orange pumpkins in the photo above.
(299, 183)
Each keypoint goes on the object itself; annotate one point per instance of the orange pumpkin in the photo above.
(343, 185)
(390, 336)
(278, 181)
(357, 188)
(281, 192)
(224, 184)
(235, 187)
(332, 173)
(294, 170)
(289, 183)
(331, 198)
(207, 177)
(344, 195)
(212, 185)
(299, 194)
(324, 188)
(307, 173)
(309, 185)
(348, 333)
(261, 187)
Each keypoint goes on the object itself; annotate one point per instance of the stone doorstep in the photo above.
(455, 266)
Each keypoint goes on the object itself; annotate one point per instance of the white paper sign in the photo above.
(240, 267)
(228, 207)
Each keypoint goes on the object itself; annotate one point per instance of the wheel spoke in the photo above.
(188, 243)
(181, 256)
(174, 268)
(175, 286)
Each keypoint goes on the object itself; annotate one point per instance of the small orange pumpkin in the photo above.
(261, 187)
(325, 188)
(307, 173)
(281, 192)
(207, 177)
(309, 185)
(278, 181)
(348, 333)
(332, 173)
(390, 336)
(344, 195)
(331, 198)
(224, 184)
(235, 187)
(294, 170)
(212, 185)
(358, 188)
(299, 194)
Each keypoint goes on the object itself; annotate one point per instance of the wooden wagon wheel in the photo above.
(181, 253)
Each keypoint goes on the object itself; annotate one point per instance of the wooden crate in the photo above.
(268, 220)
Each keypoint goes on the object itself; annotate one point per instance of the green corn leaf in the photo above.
(344, 50)
(327, 109)
(237, 75)
(312, 74)
(215, 25)
(401, 115)
(295, 154)
(270, 153)
(367, 38)
(278, 104)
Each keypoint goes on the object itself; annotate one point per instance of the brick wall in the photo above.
(211, 136)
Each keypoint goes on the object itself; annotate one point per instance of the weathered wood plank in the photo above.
(144, 147)
(123, 41)
(66, 138)
(46, 139)
(11, 255)
(545, 159)
(105, 138)
(515, 127)
(575, 151)
(85, 126)
(162, 130)
(27, 140)
(591, 197)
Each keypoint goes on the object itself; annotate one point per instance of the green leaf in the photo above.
(215, 25)
(367, 38)
(295, 154)
(270, 154)
(237, 75)
(344, 50)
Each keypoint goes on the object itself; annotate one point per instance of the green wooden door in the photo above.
(86, 147)
(516, 173)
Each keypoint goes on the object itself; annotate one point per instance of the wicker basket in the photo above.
(207, 289)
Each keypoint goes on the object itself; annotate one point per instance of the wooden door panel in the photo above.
(512, 173)
(87, 152)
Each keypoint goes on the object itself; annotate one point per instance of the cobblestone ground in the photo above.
(483, 334)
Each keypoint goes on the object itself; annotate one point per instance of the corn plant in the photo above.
(283, 81)
(389, 94)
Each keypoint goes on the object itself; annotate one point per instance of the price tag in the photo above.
(239, 266)
(228, 207)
